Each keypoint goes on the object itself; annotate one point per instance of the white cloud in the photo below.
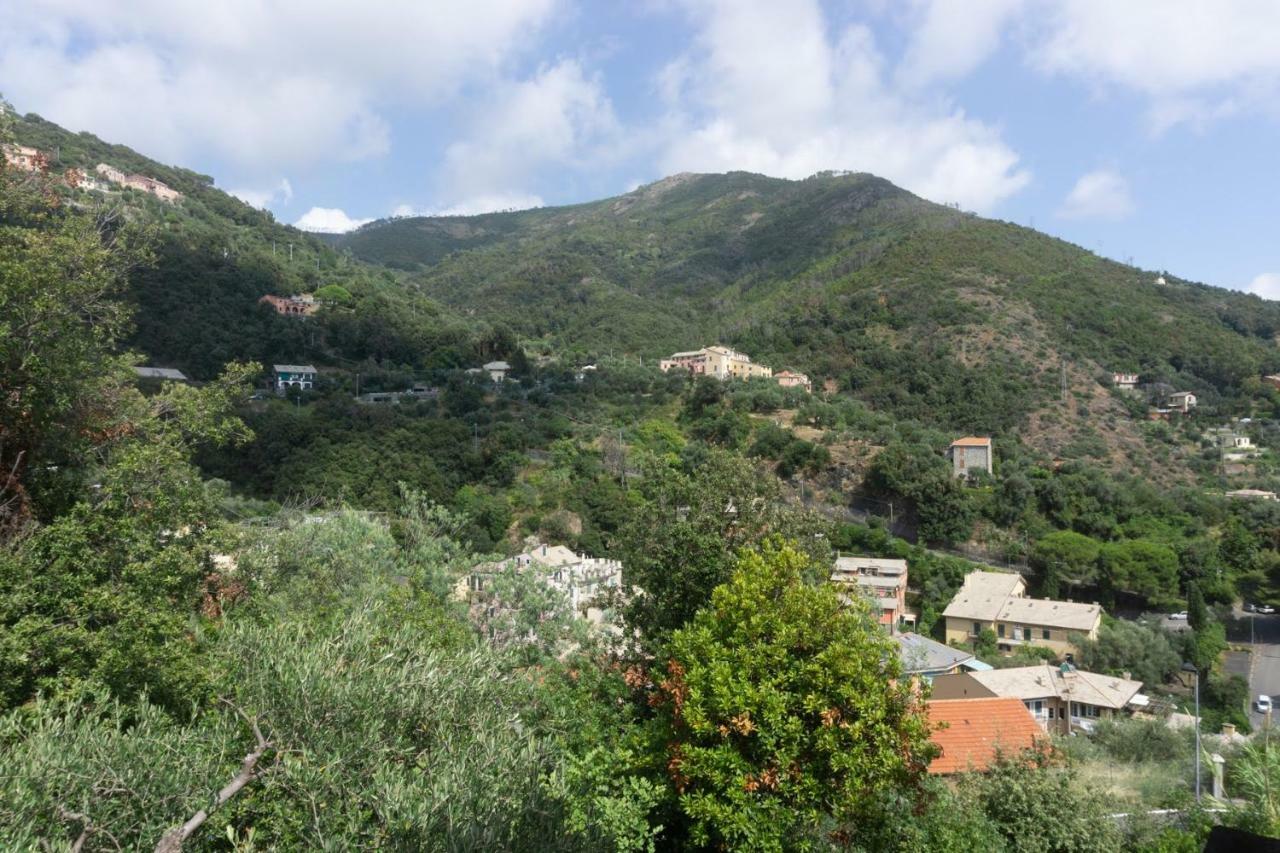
(953, 37)
(1195, 61)
(1102, 194)
(1266, 285)
(263, 198)
(561, 116)
(329, 220)
(768, 88)
(265, 85)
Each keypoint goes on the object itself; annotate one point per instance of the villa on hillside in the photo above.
(791, 379)
(584, 581)
(25, 158)
(159, 189)
(1125, 381)
(497, 370)
(883, 581)
(300, 376)
(1182, 401)
(997, 601)
(717, 361)
(302, 305)
(970, 454)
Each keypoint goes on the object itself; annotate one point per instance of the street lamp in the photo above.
(1190, 667)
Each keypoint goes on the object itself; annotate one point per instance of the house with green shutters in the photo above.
(302, 376)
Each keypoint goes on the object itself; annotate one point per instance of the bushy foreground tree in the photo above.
(783, 713)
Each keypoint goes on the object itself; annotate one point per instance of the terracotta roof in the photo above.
(971, 441)
(972, 731)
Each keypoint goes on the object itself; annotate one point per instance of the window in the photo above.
(1000, 630)
(1036, 706)
(1051, 713)
(1044, 634)
(977, 628)
(1026, 634)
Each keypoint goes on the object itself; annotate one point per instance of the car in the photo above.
(1263, 608)
(1263, 704)
(1180, 616)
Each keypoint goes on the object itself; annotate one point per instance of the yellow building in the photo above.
(718, 362)
(997, 601)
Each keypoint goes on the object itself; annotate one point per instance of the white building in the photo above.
(497, 370)
(586, 582)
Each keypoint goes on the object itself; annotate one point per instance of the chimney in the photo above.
(1125, 676)
(1228, 730)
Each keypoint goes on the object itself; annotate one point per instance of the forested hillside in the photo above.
(929, 312)
(236, 619)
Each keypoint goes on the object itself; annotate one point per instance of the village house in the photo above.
(717, 361)
(997, 601)
(585, 582)
(164, 374)
(497, 370)
(302, 305)
(791, 379)
(1181, 401)
(883, 581)
(972, 733)
(25, 158)
(1125, 381)
(159, 189)
(928, 659)
(81, 180)
(301, 376)
(1061, 699)
(970, 454)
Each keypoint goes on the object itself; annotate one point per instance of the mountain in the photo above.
(196, 304)
(926, 311)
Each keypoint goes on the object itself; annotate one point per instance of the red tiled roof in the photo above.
(971, 441)
(971, 731)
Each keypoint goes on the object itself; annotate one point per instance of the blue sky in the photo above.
(1144, 129)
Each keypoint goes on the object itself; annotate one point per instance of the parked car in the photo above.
(1263, 704)
(1263, 608)
(1181, 615)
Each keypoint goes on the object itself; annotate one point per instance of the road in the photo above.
(1264, 670)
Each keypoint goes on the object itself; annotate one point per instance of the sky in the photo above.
(1144, 130)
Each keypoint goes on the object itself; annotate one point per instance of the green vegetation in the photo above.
(200, 587)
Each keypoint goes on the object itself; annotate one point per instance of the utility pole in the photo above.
(290, 253)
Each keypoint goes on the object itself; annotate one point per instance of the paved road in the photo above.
(1264, 676)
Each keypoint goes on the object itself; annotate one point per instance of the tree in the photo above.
(1065, 556)
(1197, 611)
(783, 710)
(60, 323)
(684, 535)
(1043, 809)
(1139, 567)
(1143, 651)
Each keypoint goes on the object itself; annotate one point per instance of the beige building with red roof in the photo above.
(972, 733)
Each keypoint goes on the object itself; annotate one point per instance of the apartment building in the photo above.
(998, 601)
(717, 361)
